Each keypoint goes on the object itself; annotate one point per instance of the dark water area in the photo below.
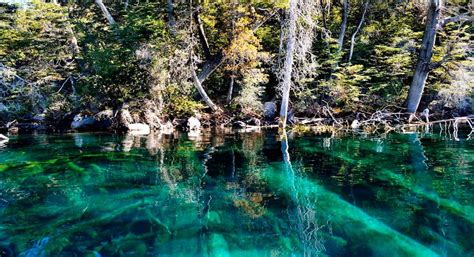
(237, 194)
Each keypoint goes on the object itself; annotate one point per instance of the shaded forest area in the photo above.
(125, 65)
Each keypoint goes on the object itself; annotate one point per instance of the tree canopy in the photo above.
(359, 56)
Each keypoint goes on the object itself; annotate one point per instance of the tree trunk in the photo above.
(106, 12)
(424, 58)
(231, 89)
(126, 5)
(202, 36)
(202, 92)
(362, 19)
(171, 18)
(212, 62)
(342, 32)
(324, 15)
(288, 65)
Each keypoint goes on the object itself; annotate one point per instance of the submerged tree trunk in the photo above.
(424, 58)
(288, 65)
(106, 12)
(342, 32)
(362, 19)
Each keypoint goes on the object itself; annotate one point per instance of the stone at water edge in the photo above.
(355, 124)
(82, 122)
(3, 138)
(239, 124)
(139, 128)
(124, 118)
(254, 122)
(269, 111)
(104, 119)
(167, 128)
(193, 124)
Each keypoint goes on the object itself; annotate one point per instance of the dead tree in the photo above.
(424, 64)
(288, 64)
(342, 32)
(362, 19)
(105, 12)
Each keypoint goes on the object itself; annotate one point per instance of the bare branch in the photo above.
(366, 5)
(461, 17)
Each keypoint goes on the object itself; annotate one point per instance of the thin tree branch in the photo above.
(366, 5)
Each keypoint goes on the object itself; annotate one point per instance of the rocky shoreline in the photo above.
(146, 121)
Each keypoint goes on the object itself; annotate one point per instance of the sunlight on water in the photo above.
(236, 195)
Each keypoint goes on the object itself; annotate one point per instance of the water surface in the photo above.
(236, 194)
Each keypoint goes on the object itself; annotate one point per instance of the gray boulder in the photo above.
(83, 122)
(269, 111)
(254, 122)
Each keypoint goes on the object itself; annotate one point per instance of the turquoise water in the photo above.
(236, 195)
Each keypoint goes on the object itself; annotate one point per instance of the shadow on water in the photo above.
(236, 194)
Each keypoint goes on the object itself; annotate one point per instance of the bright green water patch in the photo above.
(236, 195)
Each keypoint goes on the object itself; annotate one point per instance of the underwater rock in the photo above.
(213, 219)
(7, 251)
(218, 246)
(193, 124)
(38, 248)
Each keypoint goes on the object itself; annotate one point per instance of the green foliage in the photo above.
(179, 105)
(345, 87)
(35, 57)
(142, 58)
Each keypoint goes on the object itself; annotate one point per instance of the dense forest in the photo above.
(109, 64)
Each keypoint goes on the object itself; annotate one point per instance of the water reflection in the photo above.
(303, 212)
(228, 193)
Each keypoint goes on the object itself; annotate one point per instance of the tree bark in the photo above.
(202, 92)
(342, 32)
(171, 18)
(324, 14)
(288, 65)
(231, 89)
(126, 5)
(362, 19)
(202, 36)
(424, 59)
(106, 12)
